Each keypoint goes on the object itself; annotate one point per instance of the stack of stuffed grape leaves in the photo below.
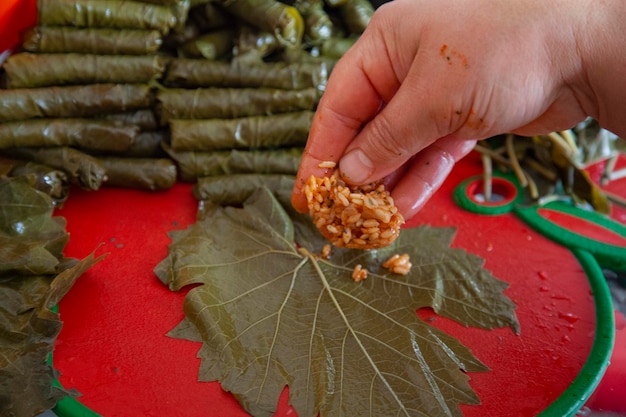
(210, 87)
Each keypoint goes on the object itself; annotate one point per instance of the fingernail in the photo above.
(356, 167)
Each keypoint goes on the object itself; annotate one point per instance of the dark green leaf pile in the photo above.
(34, 276)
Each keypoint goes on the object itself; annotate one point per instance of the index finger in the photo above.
(351, 99)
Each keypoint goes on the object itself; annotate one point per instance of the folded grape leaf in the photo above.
(270, 314)
(31, 239)
(34, 276)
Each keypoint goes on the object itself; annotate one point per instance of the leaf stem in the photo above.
(313, 258)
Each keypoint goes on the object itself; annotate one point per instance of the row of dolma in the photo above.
(23, 70)
(286, 22)
(110, 42)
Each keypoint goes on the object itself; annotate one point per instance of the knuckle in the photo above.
(386, 142)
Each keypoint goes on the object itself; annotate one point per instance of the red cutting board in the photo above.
(15, 16)
(113, 347)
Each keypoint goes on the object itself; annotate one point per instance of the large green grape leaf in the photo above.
(271, 313)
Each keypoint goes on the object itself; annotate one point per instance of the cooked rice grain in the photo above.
(398, 264)
(359, 274)
(362, 217)
(327, 164)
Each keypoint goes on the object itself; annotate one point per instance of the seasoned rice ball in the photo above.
(362, 217)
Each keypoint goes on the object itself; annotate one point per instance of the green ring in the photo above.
(462, 198)
(610, 256)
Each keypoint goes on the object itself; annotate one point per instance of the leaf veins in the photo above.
(271, 313)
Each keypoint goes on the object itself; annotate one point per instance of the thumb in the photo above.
(398, 132)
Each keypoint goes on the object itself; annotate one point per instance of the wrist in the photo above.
(601, 45)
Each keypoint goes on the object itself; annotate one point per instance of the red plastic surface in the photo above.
(15, 17)
(113, 347)
(611, 392)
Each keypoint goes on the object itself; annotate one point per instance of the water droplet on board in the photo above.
(560, 297)
(569, 317)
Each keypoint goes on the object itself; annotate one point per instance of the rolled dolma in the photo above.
(223, 103)
(235, 189)
(161, 2)
(317, 24)
(253, 43)
(335, 3)
(211, 45)
(140, 173)
(287, 129)
(299, 56)
(90, 134)
(194, 165)
(72, 101)
(46, 39)
(356, 15)
(180, 9)
(194, 3)
(204, 73)
(105, 14)
(337, 47)
(81, 169)
(207, 16)
(172, 41)
(284, 21)
(24, 70)
(144, 119)
(147, 145)
(200, 20)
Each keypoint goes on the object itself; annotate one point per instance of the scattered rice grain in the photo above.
(398, 264)
(327, 164)
(326, 251)
(359, 274)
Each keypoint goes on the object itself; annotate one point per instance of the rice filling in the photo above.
(358, 217)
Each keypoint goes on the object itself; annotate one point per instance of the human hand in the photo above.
(430, 77)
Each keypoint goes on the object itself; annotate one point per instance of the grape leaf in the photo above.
(34, 276)
(31, 239)
(270, 313)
